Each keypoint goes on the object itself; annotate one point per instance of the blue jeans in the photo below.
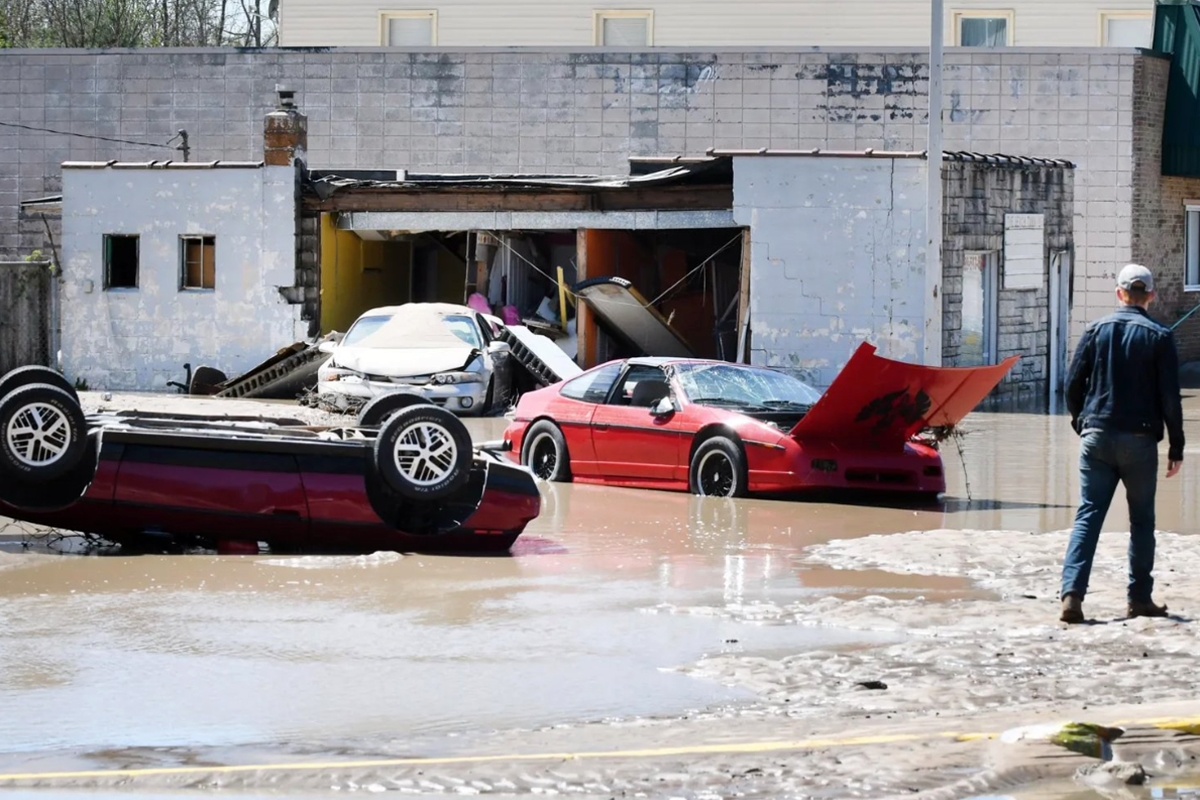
(1106, 457)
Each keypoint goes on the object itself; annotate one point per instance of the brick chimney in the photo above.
(285, 133)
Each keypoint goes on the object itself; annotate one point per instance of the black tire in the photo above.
(43, 433)
(424, 453)
(545, 453)
(44, 497)
(23, 376)
(718, 469)
(378, 410)
(206, 381)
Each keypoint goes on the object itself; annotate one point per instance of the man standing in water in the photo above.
(1123, 386)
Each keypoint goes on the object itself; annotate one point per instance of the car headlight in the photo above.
(445, 378)
(338, 374)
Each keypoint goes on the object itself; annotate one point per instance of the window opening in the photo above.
(120, 261)
(977, 346)
(593, 387)
(1126, 29)
(409, 29)
(624, 28)
(983, 28)
(199, 262)
(643, 386)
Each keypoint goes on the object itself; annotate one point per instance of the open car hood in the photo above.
(881, 402)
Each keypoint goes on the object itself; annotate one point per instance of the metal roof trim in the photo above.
(994, 159)
(678, 175)
(162, 164)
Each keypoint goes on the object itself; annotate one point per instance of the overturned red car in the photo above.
(730, 430)
(405, 478)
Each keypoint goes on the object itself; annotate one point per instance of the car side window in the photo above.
(592, 387)
(643, 386)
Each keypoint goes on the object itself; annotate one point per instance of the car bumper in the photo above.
(816, 467)
(461, 398)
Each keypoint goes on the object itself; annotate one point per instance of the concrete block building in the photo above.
(221, 264)
(588, 111)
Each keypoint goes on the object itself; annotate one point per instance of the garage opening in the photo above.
(689, 280)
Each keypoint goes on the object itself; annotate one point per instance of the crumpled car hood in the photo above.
(879, 402)
(403, 363)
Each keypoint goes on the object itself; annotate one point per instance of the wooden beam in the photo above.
(743, 317)
(586, 332)
(693, 198)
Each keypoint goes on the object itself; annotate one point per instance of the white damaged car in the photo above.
(445, 353)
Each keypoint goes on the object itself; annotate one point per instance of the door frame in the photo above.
(1060, 319)
(991, 303)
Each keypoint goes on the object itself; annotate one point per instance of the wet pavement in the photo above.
(101, 656)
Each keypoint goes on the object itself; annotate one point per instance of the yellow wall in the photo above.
(358, 275)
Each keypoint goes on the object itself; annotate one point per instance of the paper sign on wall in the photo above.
(1024, 251)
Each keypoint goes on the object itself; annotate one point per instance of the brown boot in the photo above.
(1072, 609)
(1145, 608)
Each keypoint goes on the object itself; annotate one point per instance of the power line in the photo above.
(85, 135)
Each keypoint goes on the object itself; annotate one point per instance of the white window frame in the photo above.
(203, 238)
(429, 14)
(959, 14)
(1191, 277)
(1105, 16)
(621, 13)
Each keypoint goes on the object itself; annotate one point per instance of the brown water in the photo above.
(200, 651)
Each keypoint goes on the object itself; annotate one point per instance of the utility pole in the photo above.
(933, 211)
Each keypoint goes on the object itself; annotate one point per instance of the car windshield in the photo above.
(463, 328)
(364, 328)
(735, 386)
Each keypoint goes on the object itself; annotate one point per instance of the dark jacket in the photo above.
(1125, 377)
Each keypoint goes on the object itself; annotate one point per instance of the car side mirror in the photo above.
(663, 408)
(497, 346)
(327, 347)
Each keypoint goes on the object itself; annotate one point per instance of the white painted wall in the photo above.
(138, 339)
(685, 23)
(837, 258)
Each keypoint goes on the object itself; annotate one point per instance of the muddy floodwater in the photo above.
(617, 605)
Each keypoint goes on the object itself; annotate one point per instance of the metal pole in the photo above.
(933, 215)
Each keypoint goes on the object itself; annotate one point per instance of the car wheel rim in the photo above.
(543, 456)
(715, 477)
(38, 434)
(425, 453)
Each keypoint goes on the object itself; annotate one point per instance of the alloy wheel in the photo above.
(715, 475)
(425, 453)
(38, 434)
(543, 456)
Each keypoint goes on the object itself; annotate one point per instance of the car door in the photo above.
(630, 442)
(574, 407)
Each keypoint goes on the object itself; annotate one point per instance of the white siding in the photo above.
(687, 23)
(138, 339)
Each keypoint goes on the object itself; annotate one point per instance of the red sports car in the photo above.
(406, 478)
(729, 430)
